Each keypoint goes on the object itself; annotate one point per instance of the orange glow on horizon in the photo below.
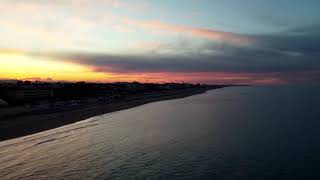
(16, 65)
(21, 66)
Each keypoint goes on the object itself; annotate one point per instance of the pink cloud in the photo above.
(122, 29)
(38, 79)
(201, 77)
(205, 33)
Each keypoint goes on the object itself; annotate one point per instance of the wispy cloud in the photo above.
(62, 24)
(205, 33)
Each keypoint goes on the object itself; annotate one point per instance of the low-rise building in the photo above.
(26, 95)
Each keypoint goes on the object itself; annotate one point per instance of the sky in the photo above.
(196, 41)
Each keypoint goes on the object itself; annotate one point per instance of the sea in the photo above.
(249, 132)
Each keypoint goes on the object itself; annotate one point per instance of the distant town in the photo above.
(28, 107)
(61, 93)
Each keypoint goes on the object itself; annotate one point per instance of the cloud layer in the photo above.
(288, 57)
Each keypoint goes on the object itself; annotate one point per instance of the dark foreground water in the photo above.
(231, 133)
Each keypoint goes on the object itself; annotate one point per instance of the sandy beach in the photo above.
(26, 123)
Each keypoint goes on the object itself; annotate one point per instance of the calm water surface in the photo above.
(230, 133)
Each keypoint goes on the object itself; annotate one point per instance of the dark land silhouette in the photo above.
(31, 107)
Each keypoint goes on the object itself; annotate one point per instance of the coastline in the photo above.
(30, 123)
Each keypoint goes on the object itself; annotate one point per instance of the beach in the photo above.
(22, 123)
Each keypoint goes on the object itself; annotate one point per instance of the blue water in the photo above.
(230, 133)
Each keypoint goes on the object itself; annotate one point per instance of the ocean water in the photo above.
(229, 133)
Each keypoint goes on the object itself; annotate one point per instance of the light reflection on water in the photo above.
(240, 132)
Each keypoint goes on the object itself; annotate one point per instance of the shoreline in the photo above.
(30, 123)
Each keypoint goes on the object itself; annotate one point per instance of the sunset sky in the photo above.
(197, 41)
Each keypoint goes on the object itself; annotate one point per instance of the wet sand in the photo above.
(33, 122)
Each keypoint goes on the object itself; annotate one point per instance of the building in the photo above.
(27, 95)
